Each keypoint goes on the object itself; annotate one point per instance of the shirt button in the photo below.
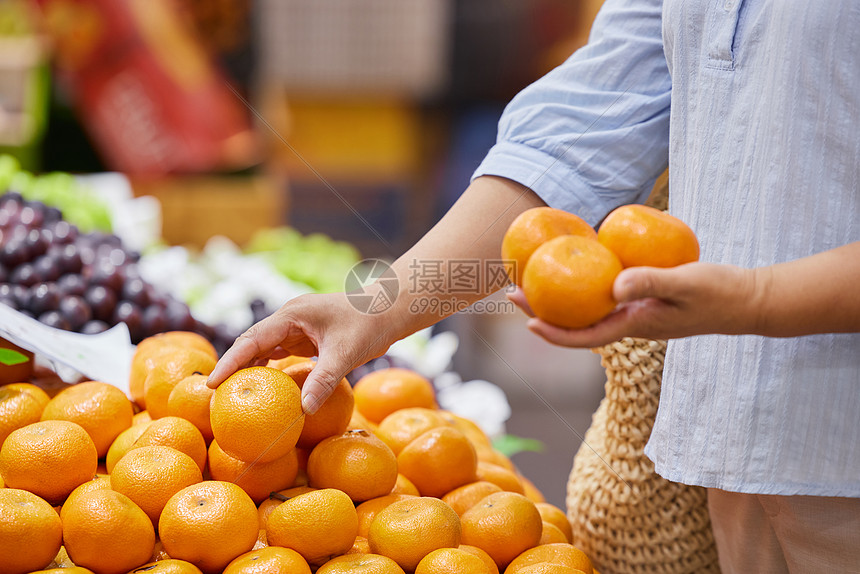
(729, 5)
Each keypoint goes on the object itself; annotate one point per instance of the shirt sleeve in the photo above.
(593, 134)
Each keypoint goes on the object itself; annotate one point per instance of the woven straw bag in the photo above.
(624, 516)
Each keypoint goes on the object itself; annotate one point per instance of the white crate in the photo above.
(355, 46)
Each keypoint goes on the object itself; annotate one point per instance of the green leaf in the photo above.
(510, 445)
(9, 357)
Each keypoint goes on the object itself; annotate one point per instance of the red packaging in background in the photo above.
(145, 89)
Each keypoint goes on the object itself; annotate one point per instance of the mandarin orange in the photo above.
(643, 235)
(258, 480)
(380, 393)
(504, 525)
(534, 227)
(360, 564)
(257, 415)
(190, 400)
(30, 531)
(269, 560)
(106, 532)
(560, 554)
(101, 409)
(356, 462)
(445, 560)
(318, 525)
(568, 281)
(209, 524)
(408, 530)
(150, 475)
(48, 458)
(438, 461)
(21, 404)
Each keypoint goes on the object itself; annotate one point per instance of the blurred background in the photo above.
(247, 151)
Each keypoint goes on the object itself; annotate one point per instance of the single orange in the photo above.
(555, 515)
(568, 281)
(445, 560)
(30, 531)
(146, 356)
(166, 566)
(176, 433)
(438, 461)
(318, 525)
(504, 525)
(105, 531)
(643, 235)
(150, 475)
(269, 560)
(534, 227)
(401, 427)
(551, 534)
(48, 458)
(408, 530)
(275, 499)
(485, 558)
(258, 480)
(502, 477)
(190, 400)
(465, 497)
(333, 416)
(101, 409)
(257, 415)
(169, 368)
(380, 393)
(21, 404)
(97, 483)
(404, 486)
(355, 462)
(123, 443)
(209, 524)
(368, 510)
(360, 546)
(360, 564)
(561, 554)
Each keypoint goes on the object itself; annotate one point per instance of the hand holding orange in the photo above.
(568, 273)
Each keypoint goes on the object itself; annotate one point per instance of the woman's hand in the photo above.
(327, 326)
(654, 303)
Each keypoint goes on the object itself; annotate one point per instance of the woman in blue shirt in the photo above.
(754, 105)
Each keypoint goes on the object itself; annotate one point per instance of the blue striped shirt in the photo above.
(755, 107)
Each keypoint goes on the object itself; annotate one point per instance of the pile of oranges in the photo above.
(184, 479)
(567, 269)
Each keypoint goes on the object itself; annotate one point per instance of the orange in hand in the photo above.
(533, 228)
(642, 235)
(568, 281)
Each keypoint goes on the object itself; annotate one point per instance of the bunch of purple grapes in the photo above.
(83, 282)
